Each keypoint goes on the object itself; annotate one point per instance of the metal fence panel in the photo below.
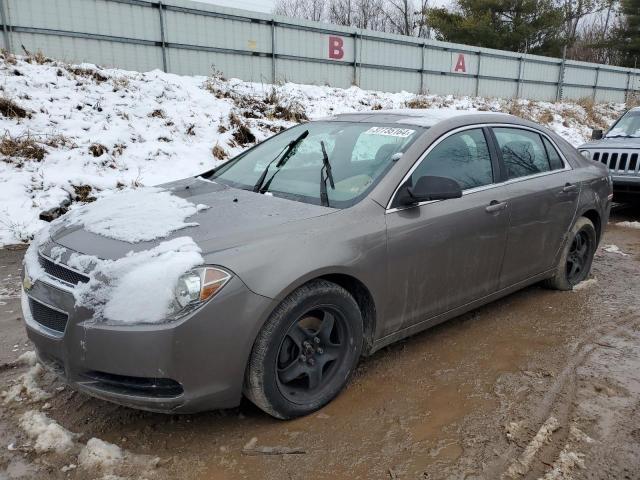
(389, 80)
(101, 17)
(192, 38)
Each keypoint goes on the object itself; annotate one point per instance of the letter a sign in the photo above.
(458, 63)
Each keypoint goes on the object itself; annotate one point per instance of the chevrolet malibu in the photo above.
(272, 274)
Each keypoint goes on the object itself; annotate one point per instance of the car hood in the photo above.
(233, 217)
(612, 143)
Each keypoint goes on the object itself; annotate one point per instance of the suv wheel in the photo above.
(306, 351)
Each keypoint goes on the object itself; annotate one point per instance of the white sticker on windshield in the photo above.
(390, 131)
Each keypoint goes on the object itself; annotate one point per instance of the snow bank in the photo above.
(585, 284)
(100, 454)
(135, 216)
(628, 224)
(614, 249)
(49, 436)
(137, 288)
(100, 130)
(27, 358)
(26, 387)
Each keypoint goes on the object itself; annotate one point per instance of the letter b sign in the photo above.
(336, 50)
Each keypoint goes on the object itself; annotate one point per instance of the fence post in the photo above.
(561, 75)
(478, 73)
(626, 90)
(6, 32)
(273, 51)
(595, 85)
(519, 77)
(355, 58)
(422, 51)
(162, 36)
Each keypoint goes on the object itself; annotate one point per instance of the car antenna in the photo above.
(326, 166)
(288, 150)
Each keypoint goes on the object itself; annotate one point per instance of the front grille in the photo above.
(47, 316)
(619, 162)
(61, 272)
(139, 386)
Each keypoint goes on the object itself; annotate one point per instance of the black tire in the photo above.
(575, 261)
(289, 378)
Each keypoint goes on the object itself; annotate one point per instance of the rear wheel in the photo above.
(306, 351)
(576, 259)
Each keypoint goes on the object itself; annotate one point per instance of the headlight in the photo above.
(586, 154)
(198, 286)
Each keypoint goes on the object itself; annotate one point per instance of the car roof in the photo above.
(427, 117)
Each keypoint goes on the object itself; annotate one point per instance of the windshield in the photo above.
(359, 154)
(628, 126)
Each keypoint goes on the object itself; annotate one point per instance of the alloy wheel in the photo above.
(311, 352)
(578, 257)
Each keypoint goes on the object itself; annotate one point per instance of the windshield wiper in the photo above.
(288, 151)
(327, 175)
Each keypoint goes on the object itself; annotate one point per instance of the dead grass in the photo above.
(120, 83)
(21, 147)
(57, 141)
(419, 101)
(37, 57)
(290, 111)
(87, 73)
(158, 113)
(219, 152)
(97, 149)
(592, 116)
(83, 193)
(8, 57)
(546, 117)
(241, 132)
(11, 109)
(519, 108)
(216, 84)
(633, 100)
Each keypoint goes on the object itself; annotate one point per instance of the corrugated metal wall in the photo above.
(192, 38)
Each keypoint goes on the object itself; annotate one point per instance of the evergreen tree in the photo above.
(517, 25)
(627, 35)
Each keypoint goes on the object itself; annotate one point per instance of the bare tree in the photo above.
(405, 17)
(307, 9)
(575, 11)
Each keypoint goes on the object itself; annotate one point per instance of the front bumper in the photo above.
(626, 186)
(196, 363)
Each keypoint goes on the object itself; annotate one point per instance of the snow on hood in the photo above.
(137, 288)
(135, 216)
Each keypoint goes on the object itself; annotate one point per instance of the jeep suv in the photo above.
(619, 149)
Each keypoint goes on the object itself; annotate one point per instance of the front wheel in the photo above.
(575, 262)
(306, 351)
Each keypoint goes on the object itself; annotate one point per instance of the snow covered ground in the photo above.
(72, 133)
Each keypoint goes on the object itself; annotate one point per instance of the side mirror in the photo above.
(429, 188)
(596, 134)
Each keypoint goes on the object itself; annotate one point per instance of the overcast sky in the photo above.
(267, 5)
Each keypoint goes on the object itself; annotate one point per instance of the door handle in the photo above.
(495, 206)
(568, 188)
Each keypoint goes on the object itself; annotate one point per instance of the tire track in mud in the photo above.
(555, 412)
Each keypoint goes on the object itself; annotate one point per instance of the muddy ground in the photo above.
(541, 384)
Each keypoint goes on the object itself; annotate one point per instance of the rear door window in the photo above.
(554, 157)
(523, 152)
